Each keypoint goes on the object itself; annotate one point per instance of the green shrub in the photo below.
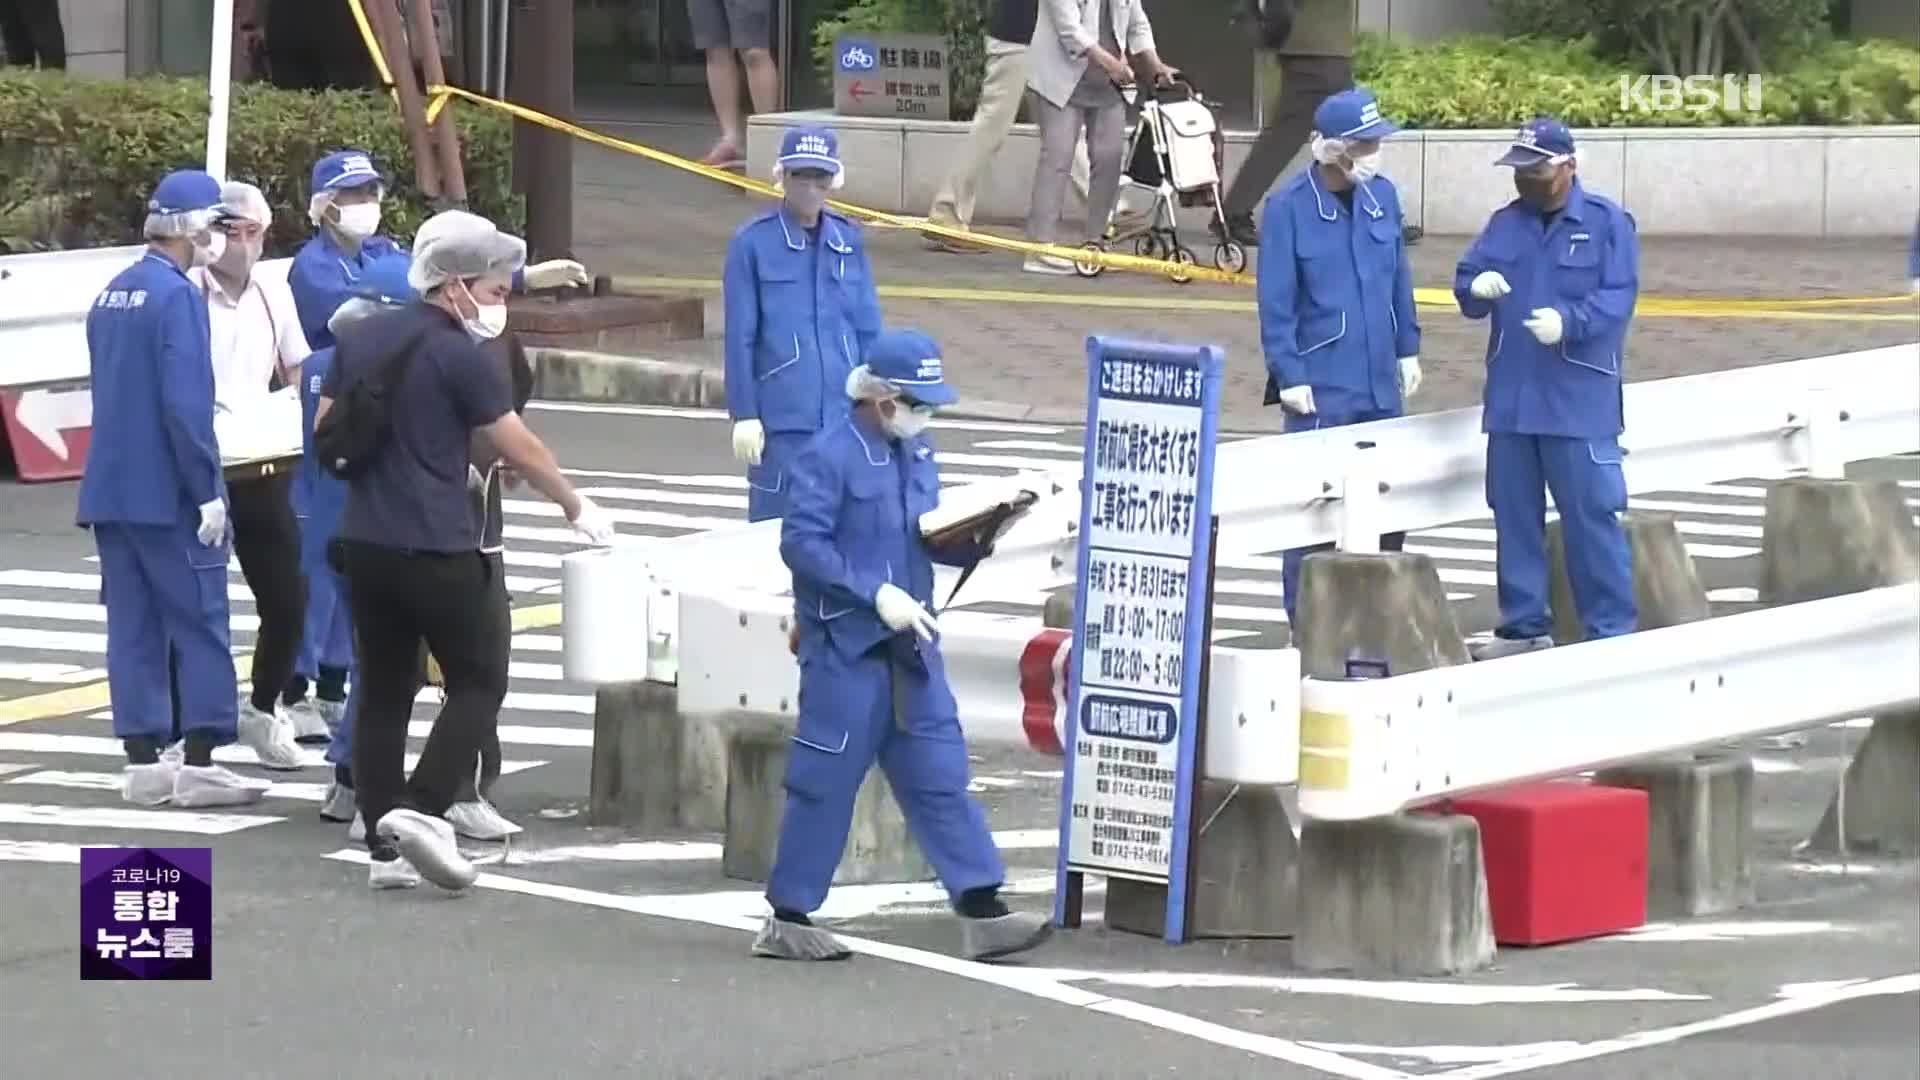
(1677, 37)
(1493, 82)
(78, 156)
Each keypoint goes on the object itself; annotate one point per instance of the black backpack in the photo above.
(359, 423)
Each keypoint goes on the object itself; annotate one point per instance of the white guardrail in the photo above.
(1775, 420)
(1374, 747)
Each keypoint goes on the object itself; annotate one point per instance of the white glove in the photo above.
(213, 522)
(555, 273)
(1916, 286)
(1297, 399)
(902, 612)
(474, 480)
(1409, 375)
(749, 439)
(1491, 285)
(1546, 325)
(593, 523)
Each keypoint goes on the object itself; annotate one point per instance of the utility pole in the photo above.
(541, 69)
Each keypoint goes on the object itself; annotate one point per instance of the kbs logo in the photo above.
(859, 56)
(1695, 93)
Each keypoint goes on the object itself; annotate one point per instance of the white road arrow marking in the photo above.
(47, 413)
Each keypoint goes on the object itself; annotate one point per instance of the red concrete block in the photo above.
(1565, 860)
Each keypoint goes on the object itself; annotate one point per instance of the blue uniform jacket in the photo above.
(153, 459)
(323, 277)
(324, 495)
(1336, 295)
(853, 525)
(1586, 265)
(1913, 257)
(800, 311)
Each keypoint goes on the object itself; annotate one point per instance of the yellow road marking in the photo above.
(94, 695)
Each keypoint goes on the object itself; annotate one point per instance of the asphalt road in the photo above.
(596, 952)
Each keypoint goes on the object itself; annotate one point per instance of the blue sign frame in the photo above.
(1209, 362)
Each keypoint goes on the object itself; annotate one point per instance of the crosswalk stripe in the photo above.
(294, 790)
(522, 734)
(38, 851)
(74, 581)
(121, 817)
(69, 611)
(686, 522)
(41, 742)
(1701, 509)
(581, 704)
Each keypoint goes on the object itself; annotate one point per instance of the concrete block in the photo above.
(1666, 590)
(1057, 612)
(1245, 871)
(1403, 895)
(1868, 172)
(1827, 538)
(1726, 181)
(879, 846)
(573, 375)
(1390, 606)
(653, 769)
(1699, 831)
(1879, 799)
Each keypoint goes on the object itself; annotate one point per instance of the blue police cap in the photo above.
(185, 191)
(384, 281)
(810, 148)
(1352, 114)
(344, 169)
(910, 360)
(1537, 140)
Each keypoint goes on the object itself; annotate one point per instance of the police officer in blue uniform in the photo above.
(329, 620)
(801, 310)
(1558, 271)
(1913, 260)
(154, 496)
(345, 208)
(872, 682)
(1337, 323)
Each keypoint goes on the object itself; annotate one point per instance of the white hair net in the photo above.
(455, 244)
(245, 201)
(177, 226)
(864, 385)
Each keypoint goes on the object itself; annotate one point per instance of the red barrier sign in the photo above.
(48, 427)
(1040, 689)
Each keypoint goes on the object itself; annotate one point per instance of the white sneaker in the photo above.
(149, 785)
(428, 843)
(392, 874)
(1048, 264)
(270, 737)
(1495, 648)
(338, 806)
(308, 724)
(357, 832)
(213, 785)
(478, 820)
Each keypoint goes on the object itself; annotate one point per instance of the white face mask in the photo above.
(360, 220)
(489, 322)
(1365, 168)
(806, 195)
(209, 253)
(908, 423)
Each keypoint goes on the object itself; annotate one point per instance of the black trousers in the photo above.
(266, 539)
(402, 599)
(1305, 82)
(33, 33)
(489, 770)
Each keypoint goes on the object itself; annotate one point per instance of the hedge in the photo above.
(1482, 81)
(79, 155)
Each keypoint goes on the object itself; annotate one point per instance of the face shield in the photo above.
(901, 415)
(1359, 159)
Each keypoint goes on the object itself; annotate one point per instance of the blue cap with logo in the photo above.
(810, 148)
(1538, 140)
(384, 281)
(345, 169)
(910, 360)
(1352, 114)
(185, 191)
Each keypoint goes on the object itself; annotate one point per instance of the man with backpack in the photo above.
(407, 538)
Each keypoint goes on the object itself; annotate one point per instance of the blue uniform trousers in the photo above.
(767, 482)
(1290, 561)
(853, 712)
(1590, 492)
(163, 591)
(328, 638)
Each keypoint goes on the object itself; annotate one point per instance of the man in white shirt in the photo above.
(257, 344)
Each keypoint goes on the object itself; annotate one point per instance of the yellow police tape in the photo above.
(441, 95)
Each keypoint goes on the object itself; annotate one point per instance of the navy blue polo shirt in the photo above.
(414, 494)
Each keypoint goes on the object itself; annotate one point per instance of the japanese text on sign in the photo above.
(1136, 622)
(892, 75)
(1124, 784)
